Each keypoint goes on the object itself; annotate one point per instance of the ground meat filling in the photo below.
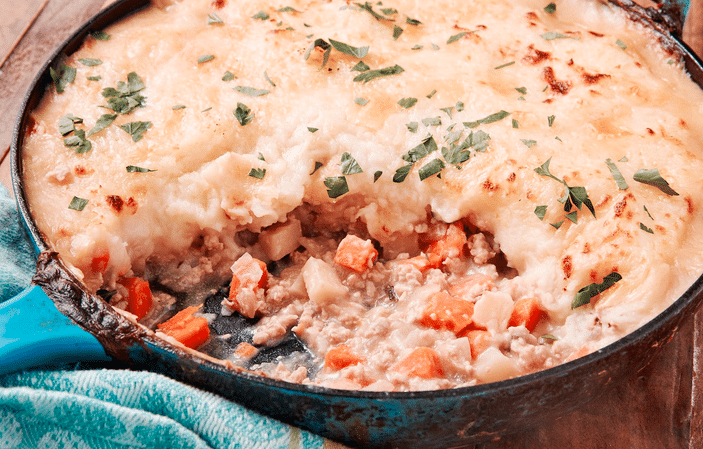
(449, 313)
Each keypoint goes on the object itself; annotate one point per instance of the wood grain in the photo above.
(660, 406)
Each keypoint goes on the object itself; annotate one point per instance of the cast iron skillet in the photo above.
(446, 418)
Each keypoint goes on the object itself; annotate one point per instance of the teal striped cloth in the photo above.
(81, 408)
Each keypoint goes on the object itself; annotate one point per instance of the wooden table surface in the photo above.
(661, 406)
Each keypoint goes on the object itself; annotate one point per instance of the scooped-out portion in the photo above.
(417, 195)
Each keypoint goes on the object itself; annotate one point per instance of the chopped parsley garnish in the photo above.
(361, 101)
(456, 155)
(585, 295)
(257, 173)
(324, 45)
(94, 78)
(90, 62)
(557, 225)
(478, 140)
(573, 196)
(67, 124)
(550, 120)
(435, 47)
(648, 214)
(251, 91)
(397, 31)
(243, 114)
(550, 8)
(432, 121)
(407, 103)
(261, 15)
(336, 186)
(377, 174)
(495, 117)
(430, 169)
(573, 217)
(100, 35)
(287, 9)
(417, 47)
(178, 106)
(541, 211)
(228, 76)
(360, 66)
(357, 52)
(214, 19)
(78, 142)
(62, 76)
(135, 169)
(528, 142)
(349, 165)
(410, 21)
(553, 35)
(448, 111)
(431, 94)
(502, 66)
(427, 146)
(412, 127)
(389, 11)
(623, 159)
(459, 106)
(318, 165)
(205, 58)
(373, 74)
(78, 203)
(619, 179)
(621, 44)
(367, 7)
(522, 90)
(124, 98)
(136, 129)
(516, 124)
(402, 173)
(312, 130)
(456, 37)
(103, 122)
(266, 75)
(646, 229)
(653, 178)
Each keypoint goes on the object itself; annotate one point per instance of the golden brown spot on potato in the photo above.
(593, 275)
(660, 229)
(512, 177)
(689, 205)
(218, 4)
(548, 101)
(595, 93)
(682, 123)
(596, 34)
(593, 79)
(650, 131)
(528, 195)
(488, 185)
(79, 170)
(604, 200)
(532, 15)
(132, 205)
(557, 86)
(622, 204)
(586, 248)
(115, 202)
(570, 62)
(567, 267)
(638, 64)
(535, 56)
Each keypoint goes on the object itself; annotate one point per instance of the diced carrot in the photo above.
(444, 311)
(480, 340)
(451, 244)
(247, 273)
(245, 350)
(190, 330)
(100, 260)
(355, 253)
(526, 312)
(422, 362)
(424, 262)
(340, 357)
(472, 285)
(139, 299)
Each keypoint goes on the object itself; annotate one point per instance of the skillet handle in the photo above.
(33, 333)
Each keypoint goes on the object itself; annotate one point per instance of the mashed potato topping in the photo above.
(428, 194)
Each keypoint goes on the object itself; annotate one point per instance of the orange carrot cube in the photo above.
(422, 362)
(480, 340)
(444, 311)
(451, 244)
(139, 299)
(424, 261)
(340, 357)
(190, 330)
(526, 312)
(355, 253)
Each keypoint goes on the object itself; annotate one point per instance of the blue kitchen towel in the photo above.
(113, 408)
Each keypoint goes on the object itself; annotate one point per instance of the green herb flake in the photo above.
(541, 211)
(214, 19)
(548, 339)
(389, 11)
(257, 173)
(459, 106)
(522, 90)
(573, 217)
(90, 62)
(360, 66)
(126, 97)
(543, 170)
(251, 91)
(243, 114)
(261, 15)
(653, 178)
(266, 76)
(136, 129)
(373, 74)
(67, 124)
(318, 165)
(427, 146)
(407, 103)
(413, 22)
(228, 76)
(621, 44)
(93, 78)
(357, 52)
(550, 120)
(287, 9)
(62, 76)
(435, 47)
(336, 186)
(78, 142)
(431, 94)
(100, 35)
(447, 111)
(377, 174)
(402, 173)
(495, 117)
(417, 47)
(176, 107)
(623, 159)
(432, 121)
(412, 127)
(78, 203)
(502, 66)
(205, 58)
(557, 225)
(456, 37)
(456, 155)
(397, 31)
(103, 122)
(553, 35)
(325, 46)
(528, 142)
(648, 214)
(368, 8)
(588, 292)
(617, 175)
(349, 165)
(550, 8)
(361, 101)
(135, 169)
(646, 229)
(430, 169)
(516, 125)
(312, 130)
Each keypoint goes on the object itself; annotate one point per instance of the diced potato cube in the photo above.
(321, 282)
(281, 239)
